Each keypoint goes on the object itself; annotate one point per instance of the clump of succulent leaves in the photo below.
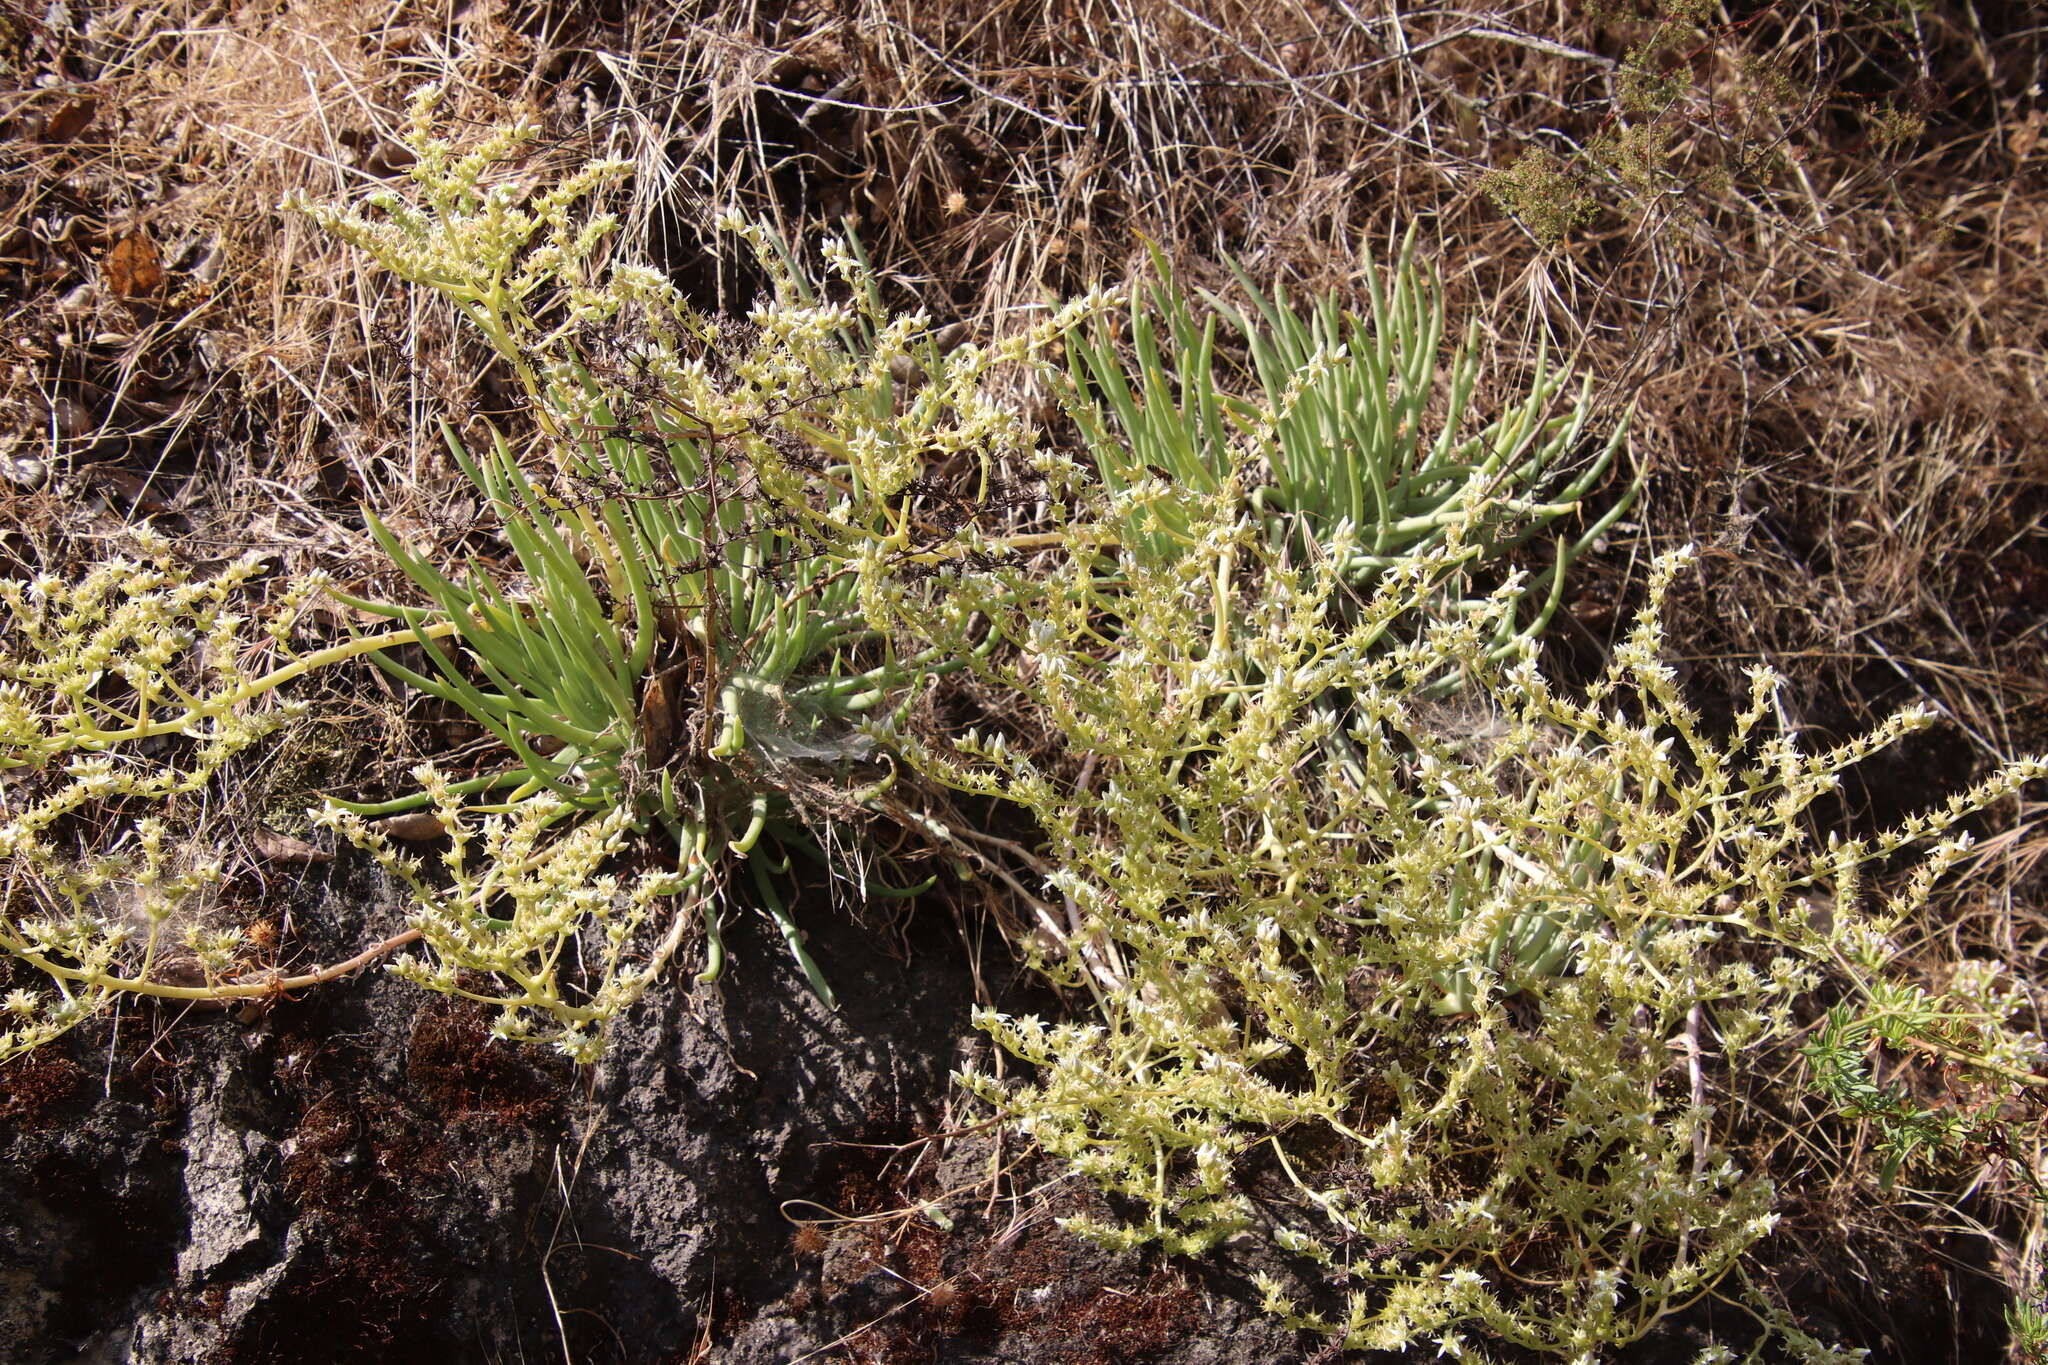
(1350, 422)
(1441, 1021)
(715, 503)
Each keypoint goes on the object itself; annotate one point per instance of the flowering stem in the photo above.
(269, 682)
(270, 985)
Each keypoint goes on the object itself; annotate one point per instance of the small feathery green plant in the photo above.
(1980, 1117)
(122, 694)
(1442, 1023)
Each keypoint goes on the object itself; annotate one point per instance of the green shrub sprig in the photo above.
(122, 694)
(1431, 1023)
(518, 898)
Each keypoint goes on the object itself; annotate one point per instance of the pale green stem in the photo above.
(232, 990)
(271, 681)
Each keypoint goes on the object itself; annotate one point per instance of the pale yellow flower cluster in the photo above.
(1415, 982)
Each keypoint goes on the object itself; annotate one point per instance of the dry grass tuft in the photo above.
(249, 377)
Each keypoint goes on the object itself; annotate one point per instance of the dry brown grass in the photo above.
(244, 378)
(1823, 290)
(1833, 343)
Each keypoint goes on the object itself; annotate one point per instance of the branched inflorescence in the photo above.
(1442, 1018)
(121, 696)
(507, 923)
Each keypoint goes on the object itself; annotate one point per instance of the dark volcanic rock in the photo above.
(362, 1173)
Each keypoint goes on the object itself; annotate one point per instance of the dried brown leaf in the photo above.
(282, 848)
(415, 827)
(70, 120)
(133, 268)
